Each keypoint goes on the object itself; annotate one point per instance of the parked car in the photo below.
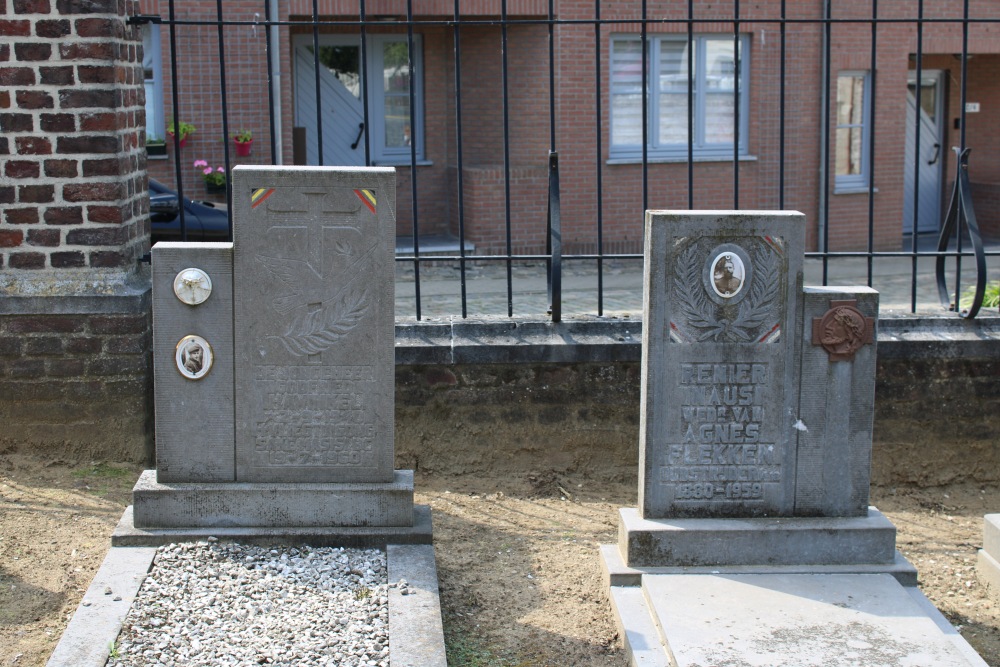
(203, 220)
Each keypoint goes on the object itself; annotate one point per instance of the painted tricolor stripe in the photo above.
(367, 197)
(259, 196)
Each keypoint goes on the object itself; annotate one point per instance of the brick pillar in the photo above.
(75, 332)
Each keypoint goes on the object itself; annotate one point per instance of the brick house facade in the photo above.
(578, 52)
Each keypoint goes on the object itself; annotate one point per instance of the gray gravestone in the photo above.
(314, 326)
(719, 380)
(757, 402)
(275, 364)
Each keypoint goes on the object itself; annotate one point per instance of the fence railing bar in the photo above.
(824, 188)
(870, 120)
(319, 92)
(506, 158)
(737, 56)
(457, 36)
(690, 106)
(225, 115)
(366, 77)
(962, 153)
(554, 236)
(175, 104)
(645, 106)
(599, 172)
(269, 48)
(411, 60)
(916, 156)
(781, 109)
(471, 22)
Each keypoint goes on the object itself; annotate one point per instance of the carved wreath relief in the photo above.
(727, 293)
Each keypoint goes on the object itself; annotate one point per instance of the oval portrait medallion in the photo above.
(193, 357)
(728, 274)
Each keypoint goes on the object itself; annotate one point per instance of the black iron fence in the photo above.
(846, 112)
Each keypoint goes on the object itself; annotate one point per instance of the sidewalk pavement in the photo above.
(487, 289)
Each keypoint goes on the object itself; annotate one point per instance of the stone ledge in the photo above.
(117, 301)
(607, 339)
(243, 505)
(617, 574)
(421, 532)
(867, 540)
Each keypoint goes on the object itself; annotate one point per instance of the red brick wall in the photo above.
(71, 116)
(74, 306)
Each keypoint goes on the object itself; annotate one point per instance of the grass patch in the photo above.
(991, 297)
(465, 649)
(102, 471)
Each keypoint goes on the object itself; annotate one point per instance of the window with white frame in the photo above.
(152, 74)
(851, 159)
(719, 66)
(391, 124)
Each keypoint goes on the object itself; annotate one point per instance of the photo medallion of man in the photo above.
(728, 273)
(193, 356)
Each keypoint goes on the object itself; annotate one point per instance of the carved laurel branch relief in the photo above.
(313, 332)
(737, 323)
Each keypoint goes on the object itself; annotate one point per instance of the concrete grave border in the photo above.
(416, 634)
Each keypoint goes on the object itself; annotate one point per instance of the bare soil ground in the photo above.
(517, 557)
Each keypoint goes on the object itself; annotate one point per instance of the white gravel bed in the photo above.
(216, 603)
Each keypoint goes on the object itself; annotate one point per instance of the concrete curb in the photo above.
(416, 633)
(96, 623)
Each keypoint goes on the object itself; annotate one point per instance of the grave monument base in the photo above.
(756, 541)
(127, 534)
(354, 514)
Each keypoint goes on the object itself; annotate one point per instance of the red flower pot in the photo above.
(243, 148)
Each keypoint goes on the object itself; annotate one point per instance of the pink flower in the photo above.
(200, 163)
(220, 170)
(207, 171)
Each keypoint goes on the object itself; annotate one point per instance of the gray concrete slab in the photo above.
(640, 636)
(92, 631)
(246, 504)
(988, 561)
(416, 637)
(617, 573)
(756, 541)
(416, 633)
(127, 534)
(770, 620)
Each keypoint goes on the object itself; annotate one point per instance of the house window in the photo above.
(720, 70)
(152, 74)
(391, 126)
(851, 160)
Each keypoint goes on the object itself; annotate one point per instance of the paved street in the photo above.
(486, 286)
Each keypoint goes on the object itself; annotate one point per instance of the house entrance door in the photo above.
(341, 110)
(931, 158)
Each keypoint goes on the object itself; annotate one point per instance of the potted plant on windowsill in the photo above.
(215, 178)
(182, 130)
(244, 142)
(155, 147)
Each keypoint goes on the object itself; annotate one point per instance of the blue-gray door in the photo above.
(340, 109)
(928, 163)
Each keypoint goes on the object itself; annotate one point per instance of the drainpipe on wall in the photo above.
(824, 158)
(276, 82)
